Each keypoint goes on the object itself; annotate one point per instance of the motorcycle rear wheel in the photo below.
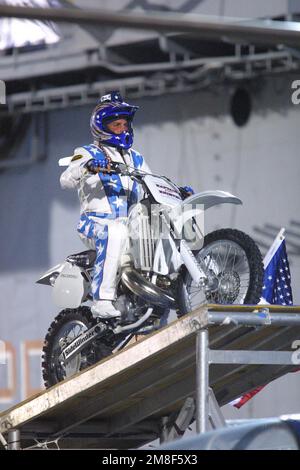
(69, 324)
(235, 261)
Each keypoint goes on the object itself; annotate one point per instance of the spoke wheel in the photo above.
(67, 326)
(235, 269)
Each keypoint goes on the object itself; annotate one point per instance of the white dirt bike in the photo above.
(166, 264)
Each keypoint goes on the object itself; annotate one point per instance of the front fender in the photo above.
(212, 198)
(188, 217)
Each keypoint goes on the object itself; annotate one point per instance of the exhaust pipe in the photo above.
(143, 288)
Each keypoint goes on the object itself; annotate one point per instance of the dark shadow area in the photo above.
(241, 107)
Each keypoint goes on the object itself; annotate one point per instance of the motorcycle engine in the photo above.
(130, 309)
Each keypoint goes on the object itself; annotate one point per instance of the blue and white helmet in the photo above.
(110, 108)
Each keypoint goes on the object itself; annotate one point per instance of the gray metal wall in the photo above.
(222, 8)
(230, 8)
(192, 139)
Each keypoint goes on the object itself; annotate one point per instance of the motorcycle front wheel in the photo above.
(234, 261)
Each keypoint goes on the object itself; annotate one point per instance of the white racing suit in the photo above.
(105, 200)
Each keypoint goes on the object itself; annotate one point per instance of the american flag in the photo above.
(277, 278)
(276, 289)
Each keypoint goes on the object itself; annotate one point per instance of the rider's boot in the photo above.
(104, 309)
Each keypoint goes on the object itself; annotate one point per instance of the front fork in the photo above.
(203, 277)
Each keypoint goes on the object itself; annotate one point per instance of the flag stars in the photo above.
(113, 183)
(277, 279)
(118, 202)
(94, 151)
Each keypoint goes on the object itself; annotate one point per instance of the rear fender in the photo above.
(71, 287)
(48, 278)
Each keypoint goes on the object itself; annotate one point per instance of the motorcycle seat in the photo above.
(84, 259)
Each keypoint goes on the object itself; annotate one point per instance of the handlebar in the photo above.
(136, 173)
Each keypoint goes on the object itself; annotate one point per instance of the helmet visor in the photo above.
(117, 124)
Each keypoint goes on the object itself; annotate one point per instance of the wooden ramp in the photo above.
(121, 402)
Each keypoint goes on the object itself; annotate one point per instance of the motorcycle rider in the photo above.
(105, 197)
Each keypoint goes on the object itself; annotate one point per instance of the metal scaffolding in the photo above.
(158, 386)
(181, 53)
(209, 73)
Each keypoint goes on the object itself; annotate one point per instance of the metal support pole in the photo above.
(264, 31)
(3, 441)
(164, 430)
(14, 440)
(183, 420)
(261, 318)
(202, 381)
(215, 416)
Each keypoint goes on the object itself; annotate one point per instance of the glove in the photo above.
(186, 191)
(95, 165)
